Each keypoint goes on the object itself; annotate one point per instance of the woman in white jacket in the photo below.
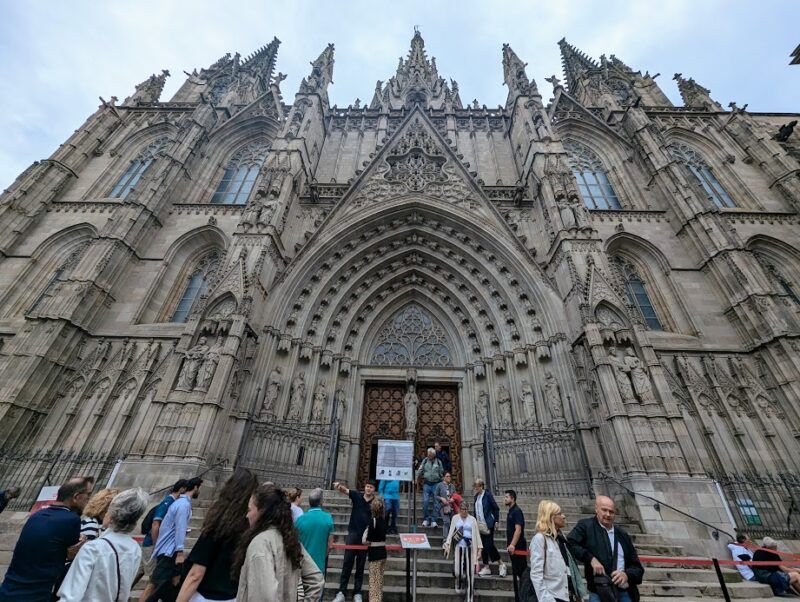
(549, 566)
(465, 538)
(104, 568)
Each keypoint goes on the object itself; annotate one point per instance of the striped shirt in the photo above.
(90, 527)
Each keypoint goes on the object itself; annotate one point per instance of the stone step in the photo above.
(745, 590)
(427, 579)
(392, 593)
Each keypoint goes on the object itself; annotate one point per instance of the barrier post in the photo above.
(721, 578)
(408, 575)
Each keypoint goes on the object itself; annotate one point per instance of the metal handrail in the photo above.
(715, 531)
(205, 472)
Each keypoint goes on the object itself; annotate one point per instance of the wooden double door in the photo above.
(384, 418)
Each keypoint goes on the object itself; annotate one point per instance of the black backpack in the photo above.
(525, 592)
(147, 523)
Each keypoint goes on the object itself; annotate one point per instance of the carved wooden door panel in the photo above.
(384, 418)
(439, 421)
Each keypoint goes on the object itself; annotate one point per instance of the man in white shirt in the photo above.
(739, 551)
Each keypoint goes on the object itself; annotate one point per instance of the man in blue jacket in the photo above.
(487, 512)
(390, 491)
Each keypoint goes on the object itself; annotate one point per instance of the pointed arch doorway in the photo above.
(410, 339)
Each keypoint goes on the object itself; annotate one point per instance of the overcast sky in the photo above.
(57, 57)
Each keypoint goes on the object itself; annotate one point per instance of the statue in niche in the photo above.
(573, 214)
(411, 401)
(639, 376)
(504, 415)
(480, 410)
(320, 401)
(552, 396)
(209, 366)
(274, 383)
(192, 360)
(341, 404)
(298, 397)
(621, 372)
(528, 402)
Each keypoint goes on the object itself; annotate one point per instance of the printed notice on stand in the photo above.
(395, 460)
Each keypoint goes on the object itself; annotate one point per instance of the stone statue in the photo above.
(411, 375)
(528, 402)
(209, 366)
(480, 410)
(639, 376)
(298, 397)
(785, 131)
(621, 371)
(411, 401)
(341, 404)
(504, 415)
(274, 383)
(320, 401)
(192, 360)
(552, 396)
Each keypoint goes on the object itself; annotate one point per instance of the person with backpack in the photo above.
(104, 568)
(150, 529)
(431, 472)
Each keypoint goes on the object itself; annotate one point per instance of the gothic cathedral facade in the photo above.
(603, 283)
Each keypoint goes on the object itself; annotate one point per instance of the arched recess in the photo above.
(178, 263)
(220, 147)
(654, 269)
(781, 262)
(125, 152)
(720, 163)
(49, 262)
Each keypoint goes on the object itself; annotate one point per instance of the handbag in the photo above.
(119, 575)
(458, 535)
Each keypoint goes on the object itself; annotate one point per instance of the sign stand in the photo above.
(412, 542)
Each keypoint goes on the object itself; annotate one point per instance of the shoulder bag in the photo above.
(119, 575)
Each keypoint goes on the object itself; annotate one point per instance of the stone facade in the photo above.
(181, 274)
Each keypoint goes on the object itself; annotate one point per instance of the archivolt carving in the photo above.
(412, 338)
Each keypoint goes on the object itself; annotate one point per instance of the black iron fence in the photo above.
(30, 470)
(291, 453)
(538, 461)
(763, 504)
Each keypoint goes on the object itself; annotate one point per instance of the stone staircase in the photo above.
(434, 572)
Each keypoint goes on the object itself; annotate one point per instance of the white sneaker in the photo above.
(339, 597)
(485, 571)
(434, 524)
(503, 570)
(424, 523)
(357, 598)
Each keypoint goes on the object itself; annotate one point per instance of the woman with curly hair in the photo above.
(210, 577)
(95, 512)
(270, 557)
(375, 537)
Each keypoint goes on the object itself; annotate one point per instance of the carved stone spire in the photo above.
(149, 90)
(514, 74)
(263, 60)
(321, 75)
(574, 62)
(695, 95)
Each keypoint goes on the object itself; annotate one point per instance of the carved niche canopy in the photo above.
(411, 338)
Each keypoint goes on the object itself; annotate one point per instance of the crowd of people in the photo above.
(256, 543)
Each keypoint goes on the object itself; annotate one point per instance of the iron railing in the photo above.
(30, 470)
(763, 504)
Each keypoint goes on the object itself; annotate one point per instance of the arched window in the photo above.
(593, 183)
(196, 286)
(240, 175)
(637, 294)
(59, 275)
(411, 338)
(784, 284)
(703, 174)
(137, 168)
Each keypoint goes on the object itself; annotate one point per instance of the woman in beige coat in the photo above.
(270, 556)
(465, 539)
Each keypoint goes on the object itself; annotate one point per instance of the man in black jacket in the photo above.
(591, 542)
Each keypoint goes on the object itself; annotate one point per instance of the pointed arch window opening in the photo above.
(196, 287)
(240, 175)
(59, 275)
(702, 173)
(637, 295)
(778, 278)
(411, 337)
(593, 183)
(137, 168)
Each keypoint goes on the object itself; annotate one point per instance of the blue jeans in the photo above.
(392, 509)
(624, 596)
(429, 495)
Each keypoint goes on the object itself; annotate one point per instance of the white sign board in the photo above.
(414, 541)
(395, 460)
(47, 495)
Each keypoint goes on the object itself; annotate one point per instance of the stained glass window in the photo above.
(240, 175)
(702, 173)
(412, 338)
(595, 189)
(637, 295)
(137, 168)
(196, 287)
